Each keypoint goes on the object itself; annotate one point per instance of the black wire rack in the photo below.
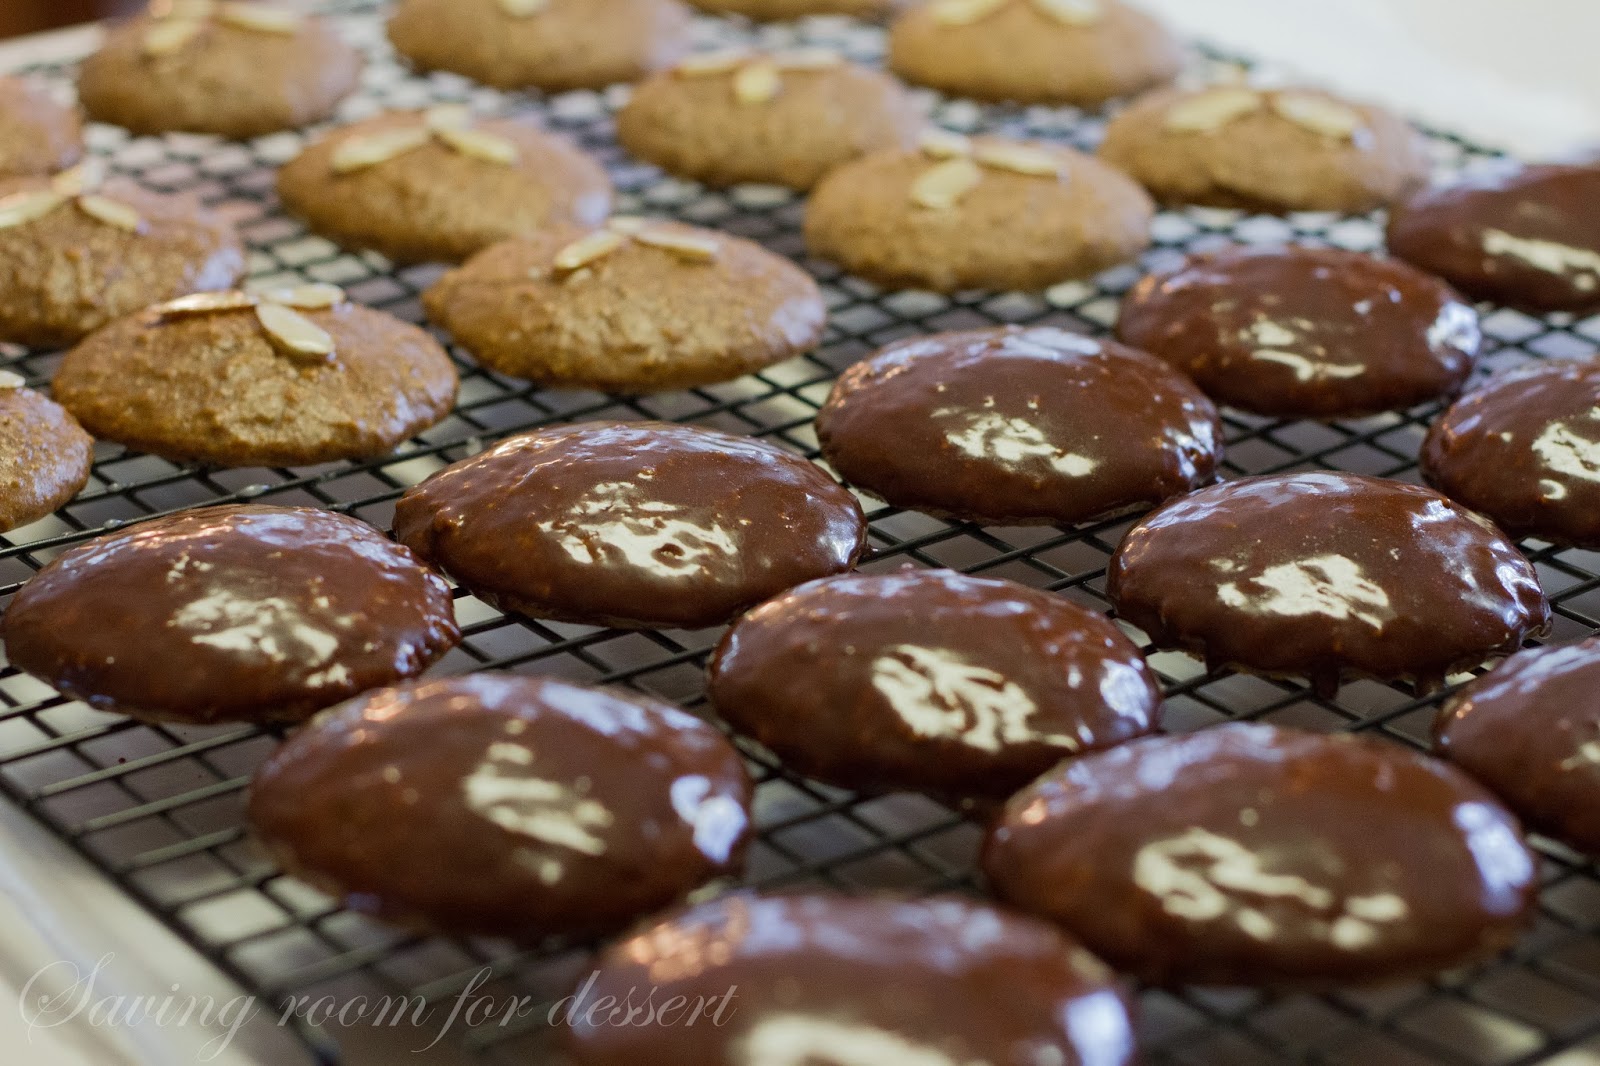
(158, 809)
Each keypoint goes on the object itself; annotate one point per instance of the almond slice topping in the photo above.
(1213, 109)
(477, 144)
(1072, 12)
(261, 18)
(1018, 158)
(708, 63)
(111, 212)
(183, 9)
(11, 380)
(964, 12)
(688, 246)
(447, 117)
(626, 224)
(207, 303)
(521, 9)
(757, 82)
(1319, 114)
(85, 177)
(170, 36)
(317, 296)
(296, 333)
(585, 250)
(358, 153)
(942, 186)
(807, 59)
(19, 209)
(942, 144)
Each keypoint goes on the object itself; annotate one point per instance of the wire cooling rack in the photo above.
(158, 809)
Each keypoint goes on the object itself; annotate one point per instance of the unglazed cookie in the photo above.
(37, 135)
(234, 69)
(635, 306)
(1326, 576)
(987, 213)
(1298, 332)
(632, 524)
(785, 118)
(554, 45)
(1019, 425)
(234, 613)
(284, 378)
(1266, 150)
(1524, 449)
(45, 455)
(1033, 51)
(546, 807)
(868, 981)
(76, 253)
(1251, 855)
(930, 681)
(439, 186)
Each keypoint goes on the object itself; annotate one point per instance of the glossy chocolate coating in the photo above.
(869, 981)
(1525, 450)
(930, 681)
(1305, 332)
(1019, 425)
(1530, 239)
(633, 524)
(1250, 855)
(507, 806)
(1324, 575)
(233, 613)
(1530, 730)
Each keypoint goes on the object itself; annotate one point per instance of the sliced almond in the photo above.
(586, 250)
(1319, 114)
(964, 12)
(942, 186)
(1019, 158)
(315, 297)
(690, 246)
(19, 209)
(260, 18)
(11, 380)
(626, 224)
(447, 117)
(358, 153)
(183, 9)
(1072, 12)
(294, 331)
(807, 59)
(85, 177)
(477, 144)
(1213, 109)
(207, 303)
(709, 63)
(521, 9)
(757, 82)
(942, 144)
(111, 212)
(170, 36)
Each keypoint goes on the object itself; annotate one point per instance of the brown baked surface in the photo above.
(44, 457)
(37, 135)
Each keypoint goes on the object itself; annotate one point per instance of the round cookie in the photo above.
(1081, 52)
(784, 118)
(869, 981)
(1528, 239)
(553, 45)
(930, 681)
(1019, 425)
(286, 378)
(45, 456)
(1530, 731)
(637, 524)
(234, 613)
(233, 69)
(547, 808)
(37, 135)
(1252, 855)
(786, 10)
(636, 306)
(987, 213)
(1524, 449)
(1266, 150)
(1297, 332)
(76, 254)
(1326, 575)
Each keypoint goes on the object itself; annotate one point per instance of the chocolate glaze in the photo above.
(632, 524)
(244, 613)
(1530, 239)
(1305, 332)
(872, 981)
(508, 806)
(1250, 855)
(1525, 450)
(1530, 730)
(1019, 425)
(931, 681)
(1324, 575)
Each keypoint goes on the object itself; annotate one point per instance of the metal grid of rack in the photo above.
(158, 809)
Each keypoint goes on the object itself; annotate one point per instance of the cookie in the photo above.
(1252, 855)
(233, 69)
(546, 807)
(1296, 332)
(554, 45)
(1528, 239)
(1019, 425)
(635, 306)
(37, 135)
(1327, 576)
(636, 524)
(286, 378)
(45, 455)
(1081, 52)
(1266, 150)
(869, 981)
(1524, 449)
(440, 186)
(784, 118)
(930, 681)
(786, 10)
(986, 213)
(77, 252)
(236, 613)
